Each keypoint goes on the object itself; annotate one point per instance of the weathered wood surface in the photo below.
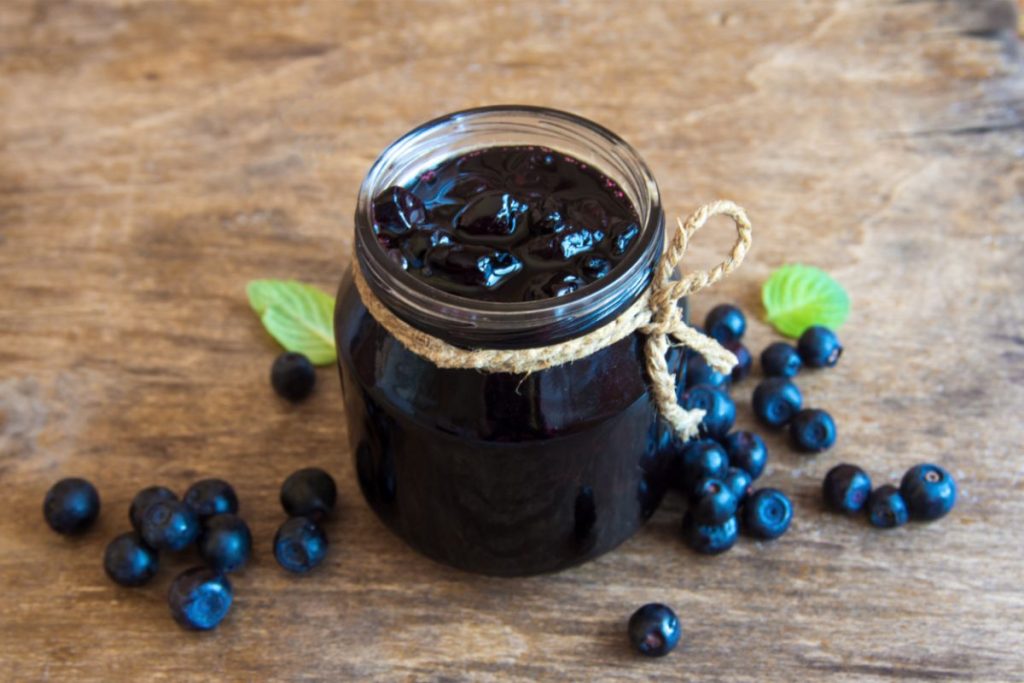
(154, 156)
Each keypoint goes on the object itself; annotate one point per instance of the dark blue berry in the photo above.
(396, 211)
(71, 506)
(739, 482)
(128, 561)
(200, 598)
(886, 508)
(699, 372)
(744, 361)
(747, 451)
(819, 347)
(725, 323)
(846, 488)
(309, 492)
(143, 499)
(654, 630)
(812, 431)
(780, 360)
(293, 376)
(713, 502)
(300, 544)
(767, 514)
(169, 525)
(209, 497)
(776, 401)
(698, 460)
(929, 492)
(709, 539)
(719, 409)
(225, 543)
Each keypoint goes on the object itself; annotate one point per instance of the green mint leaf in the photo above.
(796, 297)
(299, 316)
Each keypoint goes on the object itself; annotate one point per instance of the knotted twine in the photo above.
(654, 314)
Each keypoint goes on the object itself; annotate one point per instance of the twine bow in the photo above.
(655, 314)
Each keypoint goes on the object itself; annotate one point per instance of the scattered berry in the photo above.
(143, 499)
(929, 492)
(780, 360)
(128, 561)
(819, 347)
(300, 544)
(200, 598)
(846, 488)
(713, 502)
(293, 376)
(747, 451)
(767, 514)
(654, 630)
(699, 372)
(709, 539)
(744, 361)
(725, 323)
(309, 492)
(886, 508)
(776, 401)
(209, 497)
(698, 460)
(71, 506)
(812, 430)
(718, 406)
(739, 482)
(225, 543)
(169, 525)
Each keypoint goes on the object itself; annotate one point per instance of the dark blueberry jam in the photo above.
(507, 224)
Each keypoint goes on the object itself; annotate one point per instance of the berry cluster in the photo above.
(926, 493)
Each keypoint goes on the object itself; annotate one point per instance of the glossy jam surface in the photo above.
(507, 224)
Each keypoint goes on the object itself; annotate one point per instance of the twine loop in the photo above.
(655, 314)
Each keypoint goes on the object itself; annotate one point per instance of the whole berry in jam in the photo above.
(767, 514)
(169, 525)
(654, 630)
(747, 451)
(71, 506)
(846, 488)
(719, 409)
(396, 211)
(128, 561)
(776, 401)
(725, 323)
(225, 542)
(819, 347)
(780, 360)
(699, 372)
(812, 431)
(744, 361)
(713, 502)
(209, 497)
(929, 492)
(300, 545)
(293, 376)
(886, 508)
(698, 460)
(143, 499)
(709, 539)
(200, 598)
(739, 482)
(309, 492)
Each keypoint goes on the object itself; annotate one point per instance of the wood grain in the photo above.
(155, 156)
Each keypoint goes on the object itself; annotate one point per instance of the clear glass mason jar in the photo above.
(493, 472)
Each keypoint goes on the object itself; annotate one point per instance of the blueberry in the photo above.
(71, 506)
(886, 508)
(699, 372)
(225, 543)
(819, 347)
(812, 431)
(472, 265)
(747, 451)
(719, 409)
(739, 482)
(767, 514)
(623, 238)
(293, 376)
(496, 214)
(200, 598)
(725, 323)
(209, 497)
(744, 361)
(654, 630)
(300, 544)
(929, 492)
(699, 460)
(776, 401)
(396, 211)
(846, 488)
(143, 499)
(713, 502)
(709, 539)
(128, 561)
(169, 525)
(309, 492)
(595, 267)
(780, 360)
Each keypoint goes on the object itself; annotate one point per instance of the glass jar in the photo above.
(494, 472)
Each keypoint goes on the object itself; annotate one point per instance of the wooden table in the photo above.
(155, 156)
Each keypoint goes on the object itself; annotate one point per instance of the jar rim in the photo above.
(466, 321)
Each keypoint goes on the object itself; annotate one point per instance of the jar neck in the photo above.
(473, 323)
